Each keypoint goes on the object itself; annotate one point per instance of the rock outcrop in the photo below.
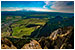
(59, 39)
(32, 45)
(61, 32)
(7, 44)
(62, 38)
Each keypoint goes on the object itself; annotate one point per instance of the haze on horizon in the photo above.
(44, 6)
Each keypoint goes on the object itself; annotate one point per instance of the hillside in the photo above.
(65, 39)
(41, 30)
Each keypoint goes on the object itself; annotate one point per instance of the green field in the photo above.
(19, 28)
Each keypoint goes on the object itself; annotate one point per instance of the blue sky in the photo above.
(47, 6)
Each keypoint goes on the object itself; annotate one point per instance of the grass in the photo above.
(19, 28)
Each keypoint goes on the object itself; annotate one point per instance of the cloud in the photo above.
(46, 4)
(57, 6)
(32, 9)
(63, 5)
(10, 9)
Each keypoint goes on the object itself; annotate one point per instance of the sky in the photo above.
(44, 6)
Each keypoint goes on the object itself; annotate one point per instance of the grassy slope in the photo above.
(19, 28)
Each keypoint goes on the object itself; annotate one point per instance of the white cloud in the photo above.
(33, 9)
(60, 6)
(10, 9)
(46, 4)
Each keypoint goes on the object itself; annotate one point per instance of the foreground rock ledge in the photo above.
(32, 45)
